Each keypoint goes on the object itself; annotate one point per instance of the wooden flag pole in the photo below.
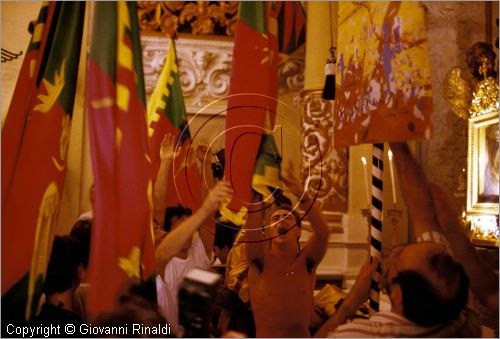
(376, 220)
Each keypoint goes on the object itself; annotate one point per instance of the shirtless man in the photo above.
(282, 276)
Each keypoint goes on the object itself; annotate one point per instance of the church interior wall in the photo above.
(452, 28)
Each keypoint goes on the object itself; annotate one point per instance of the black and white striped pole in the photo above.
(376, 220)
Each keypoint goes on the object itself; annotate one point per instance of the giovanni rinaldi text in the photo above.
(86, 329)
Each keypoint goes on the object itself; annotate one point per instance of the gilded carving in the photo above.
(482, 163)
(485, 97)
(458, 85)
(325, 167)
(195, 17)
(458, 92)
(481, 60)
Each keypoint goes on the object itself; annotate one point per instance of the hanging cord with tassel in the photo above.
(331, 65)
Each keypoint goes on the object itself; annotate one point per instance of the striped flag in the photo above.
(122, 241)
(167, 114)
(35, 140)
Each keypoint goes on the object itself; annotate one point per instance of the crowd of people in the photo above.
(269, 279)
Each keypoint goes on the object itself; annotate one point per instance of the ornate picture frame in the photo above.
(482, 161)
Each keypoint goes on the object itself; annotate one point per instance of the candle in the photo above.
(363, 160)
(393, 183)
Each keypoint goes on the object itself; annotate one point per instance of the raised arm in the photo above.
(167, 155)
(174, 241)
(204, 162)
(316, 246)
(358, 294)
(253, 230)
(483, 280)
(207, 230)
(416, 191)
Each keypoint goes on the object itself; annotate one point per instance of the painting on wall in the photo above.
(483, 163)
(483, 185)
(488, 163)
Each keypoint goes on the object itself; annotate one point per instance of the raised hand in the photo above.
(204, 154)
(360, 291)
(357, 296)
(221, 192)
(167, 147)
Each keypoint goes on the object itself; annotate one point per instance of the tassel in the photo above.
(330, 70)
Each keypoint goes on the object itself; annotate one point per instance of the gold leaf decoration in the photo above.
(485, 98)
(195, 17)
(458, 92)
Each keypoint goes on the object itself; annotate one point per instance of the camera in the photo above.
(196, 299)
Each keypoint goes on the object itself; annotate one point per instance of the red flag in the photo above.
(292, 25)
(12, 132)
(167, 114)
(122, 240)
(35, 141)
(252, 100)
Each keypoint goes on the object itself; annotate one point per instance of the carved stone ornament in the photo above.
(325, 167)
(291, 72)
(205, 68)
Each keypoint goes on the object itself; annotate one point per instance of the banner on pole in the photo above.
(383, 79)
(122, 252)
(35, 139)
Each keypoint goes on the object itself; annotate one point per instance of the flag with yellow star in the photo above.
(35, 138)
(122, 241)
